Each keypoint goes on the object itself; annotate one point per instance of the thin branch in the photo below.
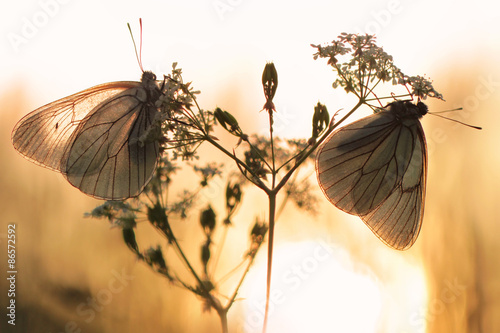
(270, 239)
(247, 269)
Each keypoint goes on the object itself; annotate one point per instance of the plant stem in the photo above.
(223, 320)
(239, 163)
(214, 303)
(247, 269)
(272, 205)
(272, 215)
(273, 171)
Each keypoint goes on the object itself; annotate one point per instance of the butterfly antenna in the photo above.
(457, 109)
(140, 46)
(138, 56)
(457, 121)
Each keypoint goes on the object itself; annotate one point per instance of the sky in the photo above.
(53, 48)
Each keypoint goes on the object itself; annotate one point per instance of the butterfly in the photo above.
(93, 137)
(376, 168)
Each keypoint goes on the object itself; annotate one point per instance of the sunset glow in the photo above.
(319, 287)
(330, 272)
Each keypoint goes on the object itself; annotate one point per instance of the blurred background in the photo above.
(331, 273)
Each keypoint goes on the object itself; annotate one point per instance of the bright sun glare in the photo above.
(315, 288)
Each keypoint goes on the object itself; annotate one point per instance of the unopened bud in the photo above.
(129, 238)
(320, 121)
(205, 253)
(227, 121)
(270, 84)
(207, 220)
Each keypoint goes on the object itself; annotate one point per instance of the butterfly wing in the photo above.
(43, 135)
(92, 137)
(106, 159)
(398, 219)
(376, 168)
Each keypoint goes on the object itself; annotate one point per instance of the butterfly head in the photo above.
(406, 109)
(148, 78)
(148, 81)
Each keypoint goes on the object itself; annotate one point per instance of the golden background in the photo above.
(447, 282)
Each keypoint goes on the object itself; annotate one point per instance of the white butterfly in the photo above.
(376, 168)
(92, 137)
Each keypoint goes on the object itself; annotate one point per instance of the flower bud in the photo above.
(320, 121)
(154, 257)
(270, 84)
(227, 121)
(205, 253)
(157, 216)
(129, 238)
(207, 220)
(259, 230)
(233, 195)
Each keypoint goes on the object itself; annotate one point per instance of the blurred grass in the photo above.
(460, 233)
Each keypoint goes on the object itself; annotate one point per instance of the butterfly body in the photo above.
(376, 168)
(91, 137)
